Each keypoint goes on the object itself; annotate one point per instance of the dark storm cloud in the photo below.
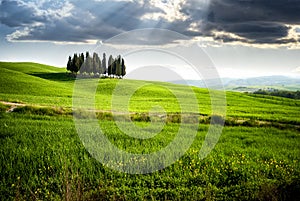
(247, 21)
(87, 20)
(258, 32)
(258, 21)
(16, 14)
(255, 10)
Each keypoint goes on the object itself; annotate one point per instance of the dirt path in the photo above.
(12, 105)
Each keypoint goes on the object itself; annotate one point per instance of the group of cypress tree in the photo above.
(93, 66)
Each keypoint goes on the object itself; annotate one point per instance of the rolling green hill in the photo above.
(45, 85)
(42, 157)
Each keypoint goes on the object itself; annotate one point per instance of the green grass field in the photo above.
(42, 157)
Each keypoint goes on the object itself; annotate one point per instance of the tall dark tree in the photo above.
(81, 60)
(99, 65)
(69, 65)
(110, 65)
(114, 68)
(96, 63)
(88, 63)
(73, 63)
(77, 63)
(123, 68)
(103, 71)
(118, 66)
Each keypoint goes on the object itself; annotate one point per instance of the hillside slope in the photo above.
(44, 157)
(39, 84)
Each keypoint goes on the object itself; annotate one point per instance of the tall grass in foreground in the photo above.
(42, 158)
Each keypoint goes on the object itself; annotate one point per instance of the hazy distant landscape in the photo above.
(253, 84)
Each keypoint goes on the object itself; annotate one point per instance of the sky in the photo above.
(240, 38)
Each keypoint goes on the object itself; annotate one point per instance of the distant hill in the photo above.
(264, 81)
(251, 84)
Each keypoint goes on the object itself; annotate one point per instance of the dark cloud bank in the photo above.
(247, 21)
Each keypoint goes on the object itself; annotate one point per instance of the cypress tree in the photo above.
(110, 65)
(114, 68)
(123, 67)
(103, 71)
(96, 63)
(69, 65)
(118, 66)
(77, 63)
(73, 66)
(81, 60)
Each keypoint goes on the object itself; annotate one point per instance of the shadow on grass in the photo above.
(55, 76)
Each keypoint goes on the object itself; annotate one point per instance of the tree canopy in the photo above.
(95, 66)
(280, 93)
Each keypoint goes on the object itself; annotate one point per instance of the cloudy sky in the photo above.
(243, 38)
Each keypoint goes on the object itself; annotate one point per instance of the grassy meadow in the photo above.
(42, 157)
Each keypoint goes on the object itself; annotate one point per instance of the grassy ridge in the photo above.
(44, 85)
(42, 157)
(23, 82)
